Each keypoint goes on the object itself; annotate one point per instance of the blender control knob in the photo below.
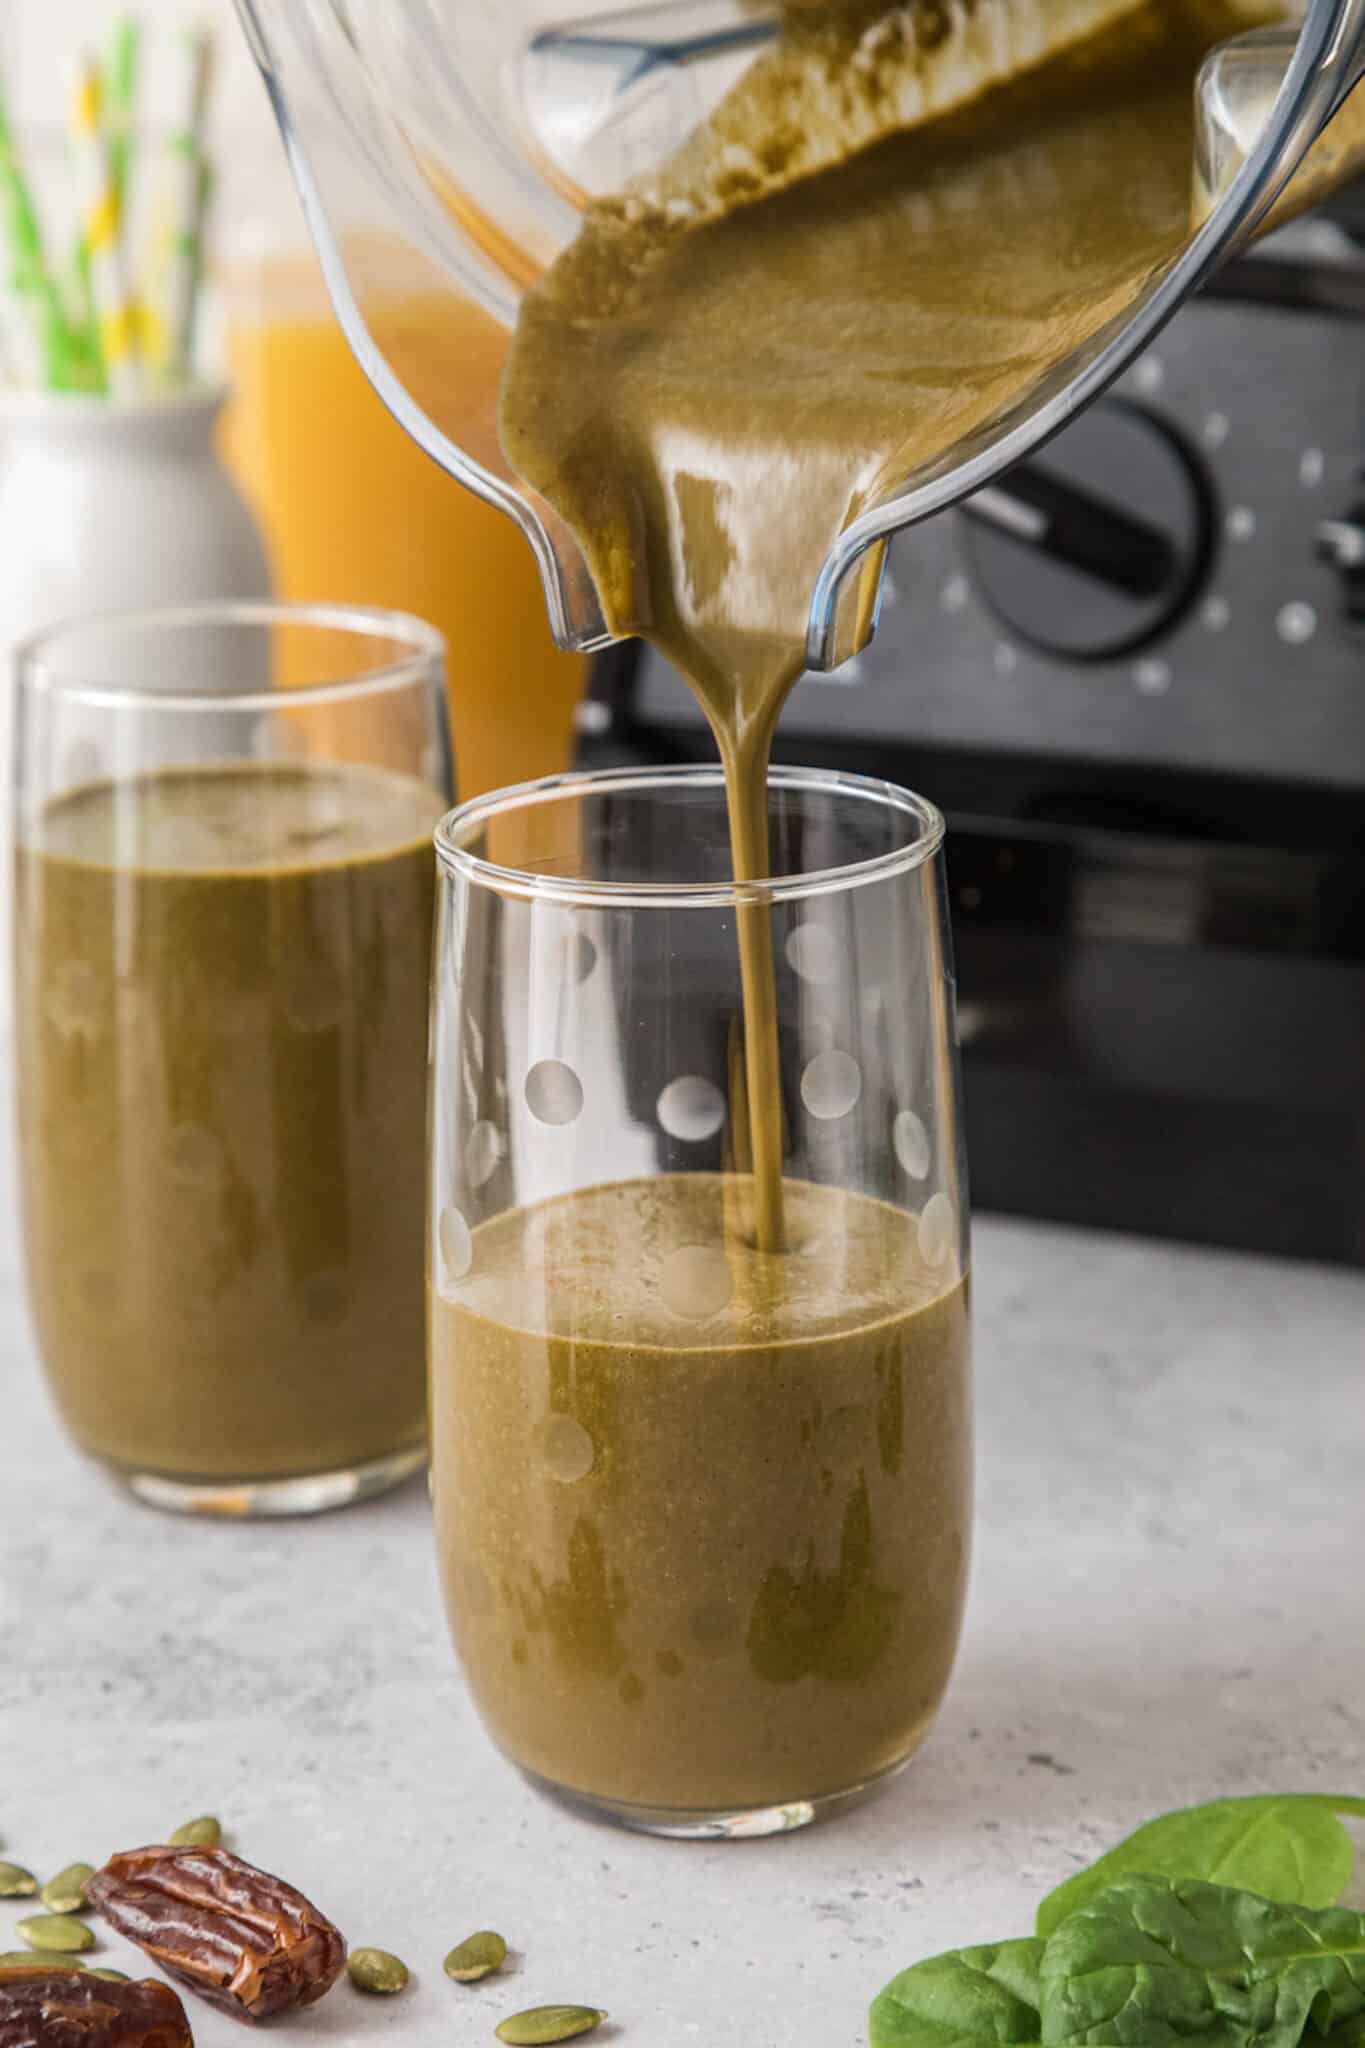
(1342, 543)
(1098, 544)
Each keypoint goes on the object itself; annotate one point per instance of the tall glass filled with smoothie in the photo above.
(354, 512)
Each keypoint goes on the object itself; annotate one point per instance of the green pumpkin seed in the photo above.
(109, 1976)
(545, 2023)
(16, 1882)
(23, 1959)
(56, 1934)
(478, 1957)
(65, 1893)
(374, 1969)
(205, 1832)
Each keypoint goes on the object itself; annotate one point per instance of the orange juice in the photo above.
(353, 510)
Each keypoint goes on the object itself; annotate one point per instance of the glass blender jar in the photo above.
(451, 150)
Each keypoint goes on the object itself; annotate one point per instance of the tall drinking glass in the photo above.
(702, 1511)
(223, 908)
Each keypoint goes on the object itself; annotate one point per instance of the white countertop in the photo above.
(1167, 1605)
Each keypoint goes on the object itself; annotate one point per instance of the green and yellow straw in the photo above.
(117, 319)
(120, 104)
(119, 113)
(40, 341)
(180, 252)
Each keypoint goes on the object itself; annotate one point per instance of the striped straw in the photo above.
(120, 98)
(116, 311)
(181, 256)
(38, 340)
(120, 106)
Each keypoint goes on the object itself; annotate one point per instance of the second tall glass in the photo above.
(702, 1510)
(223, 934)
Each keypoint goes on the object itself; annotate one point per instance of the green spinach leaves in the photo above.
(1287, 1846)
(970, 1996)
(1146, 1950)
(1154, 1961)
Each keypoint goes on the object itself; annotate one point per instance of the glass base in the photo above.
(255, 1499)
(744, 1824)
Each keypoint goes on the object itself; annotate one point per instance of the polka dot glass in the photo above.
(599, 1299)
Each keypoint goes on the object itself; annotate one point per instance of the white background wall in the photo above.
(40, 41)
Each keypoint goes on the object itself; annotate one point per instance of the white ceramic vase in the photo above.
(111, 505)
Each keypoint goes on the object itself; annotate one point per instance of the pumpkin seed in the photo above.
(374, 1969)
(478, 1957)
(205, 1832)
(65, 1893)
(23, 1959)
(56, 1933)
(109, 1976)
(16, 1882)
(544, 2023)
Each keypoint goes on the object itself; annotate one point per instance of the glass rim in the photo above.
(460, 824)
(423, 660)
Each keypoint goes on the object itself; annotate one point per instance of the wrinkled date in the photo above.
(46, 2008)
(237, 1936)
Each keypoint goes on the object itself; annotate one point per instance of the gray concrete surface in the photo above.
(1168, 1604)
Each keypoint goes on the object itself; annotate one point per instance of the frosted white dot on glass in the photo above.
(1215, 613)
(554, 1093)
(1296, 623)
(1150, 375)
(831, 1085)
(813, 952)
(482, 1152)
(1241, 523)
(1216, 428)
(1152, 676)
(912, 1147)
(456, 1245)
(1312, 468)
(1005, 659)
(567, 1451)
(937, 1229)
(691, 1108)
(694, 1281)
(953, 597)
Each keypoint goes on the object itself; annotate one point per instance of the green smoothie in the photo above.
(221, 1019)
(702, 1511)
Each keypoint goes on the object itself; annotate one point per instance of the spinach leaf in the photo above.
(1156, 1962)
(967, 1998)
(1286, 1845)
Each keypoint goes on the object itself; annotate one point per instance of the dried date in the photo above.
(45, 2007)
(242, 1939)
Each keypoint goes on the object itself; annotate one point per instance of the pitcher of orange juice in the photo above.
(353, 510)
